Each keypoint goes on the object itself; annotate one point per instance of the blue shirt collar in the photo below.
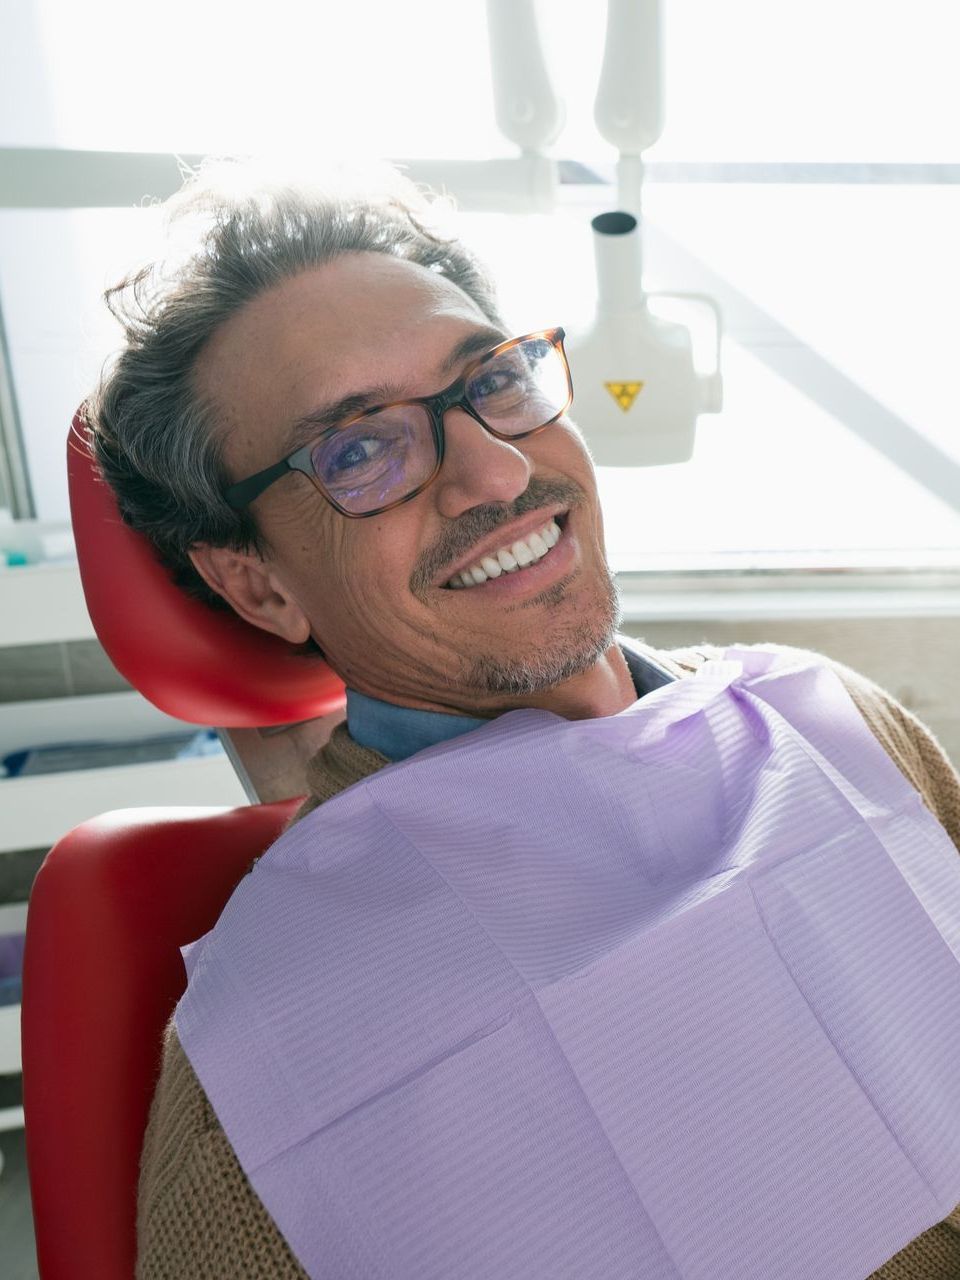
(398, 732)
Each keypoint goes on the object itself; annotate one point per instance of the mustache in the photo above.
(476, 523)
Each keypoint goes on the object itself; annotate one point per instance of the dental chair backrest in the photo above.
(118, 896)
(203, 665)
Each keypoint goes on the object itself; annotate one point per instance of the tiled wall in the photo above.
(48, 671)
(17, 871)
(56, 671)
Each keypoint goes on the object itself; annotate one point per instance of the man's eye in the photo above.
(495, 382)
(354, 453)
(357, 452)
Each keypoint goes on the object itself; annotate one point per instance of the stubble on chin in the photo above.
(570, 651)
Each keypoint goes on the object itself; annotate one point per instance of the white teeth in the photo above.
(523, 552)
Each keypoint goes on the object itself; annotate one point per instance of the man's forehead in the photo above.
(330, 332)
(356, 301)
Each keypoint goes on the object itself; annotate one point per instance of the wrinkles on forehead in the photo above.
(362, 325)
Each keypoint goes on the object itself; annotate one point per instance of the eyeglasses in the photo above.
(389, 454)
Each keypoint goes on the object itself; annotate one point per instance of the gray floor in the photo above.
(18, 1259)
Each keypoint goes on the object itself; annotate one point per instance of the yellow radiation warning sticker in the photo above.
(624, 392)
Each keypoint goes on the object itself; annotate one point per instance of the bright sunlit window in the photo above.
(839, 294)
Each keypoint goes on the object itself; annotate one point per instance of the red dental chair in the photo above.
(116, 897)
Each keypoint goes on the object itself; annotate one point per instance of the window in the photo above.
(838, 288)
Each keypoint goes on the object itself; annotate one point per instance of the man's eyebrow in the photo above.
(329, 415)
(473, 344)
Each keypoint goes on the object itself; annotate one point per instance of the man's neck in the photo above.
(604, 689)
(397, 731)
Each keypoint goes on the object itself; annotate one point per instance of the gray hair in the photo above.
(247, 229)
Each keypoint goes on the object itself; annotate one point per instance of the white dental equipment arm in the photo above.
(628, 108)
(528, 110)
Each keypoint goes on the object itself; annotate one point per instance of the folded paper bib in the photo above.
(668, 995)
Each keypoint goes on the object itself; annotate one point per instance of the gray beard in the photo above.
(569, 654)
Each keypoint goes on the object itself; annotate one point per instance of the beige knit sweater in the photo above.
(198, 1216)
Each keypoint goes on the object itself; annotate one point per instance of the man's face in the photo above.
(375, 591)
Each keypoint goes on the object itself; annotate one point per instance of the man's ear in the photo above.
(252, 590)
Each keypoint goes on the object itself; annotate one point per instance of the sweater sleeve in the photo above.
(198, 1217)
(923, 759)
(911, 745)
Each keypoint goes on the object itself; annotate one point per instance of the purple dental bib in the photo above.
(668, 995)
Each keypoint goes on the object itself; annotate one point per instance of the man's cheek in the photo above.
(368, 605)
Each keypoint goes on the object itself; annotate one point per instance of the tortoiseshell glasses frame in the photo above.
(456, 395)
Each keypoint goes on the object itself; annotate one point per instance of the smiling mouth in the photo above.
(512, 557)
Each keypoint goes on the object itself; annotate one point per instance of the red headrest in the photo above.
(197, 663)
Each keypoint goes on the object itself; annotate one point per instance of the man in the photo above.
(322, 421)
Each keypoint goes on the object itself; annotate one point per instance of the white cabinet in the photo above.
(38, 810)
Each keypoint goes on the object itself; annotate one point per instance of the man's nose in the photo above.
(477, 467)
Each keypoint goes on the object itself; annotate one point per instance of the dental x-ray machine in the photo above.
(637, 389)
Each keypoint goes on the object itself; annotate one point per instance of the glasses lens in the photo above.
(522, 388)
(378, 459)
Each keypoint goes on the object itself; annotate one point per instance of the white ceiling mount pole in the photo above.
(529, 111)
(629, 106)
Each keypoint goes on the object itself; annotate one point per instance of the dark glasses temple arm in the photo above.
(242, 494)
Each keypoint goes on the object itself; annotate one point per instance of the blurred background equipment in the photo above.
(638, 394)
